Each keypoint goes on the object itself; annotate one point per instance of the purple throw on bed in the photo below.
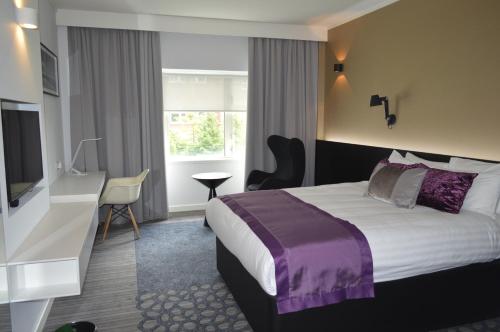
(319, 259)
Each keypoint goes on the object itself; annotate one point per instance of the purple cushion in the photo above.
(445, 190)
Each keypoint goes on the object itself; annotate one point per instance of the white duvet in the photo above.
(404, 242)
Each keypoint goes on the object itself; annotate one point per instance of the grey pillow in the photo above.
(396, 184)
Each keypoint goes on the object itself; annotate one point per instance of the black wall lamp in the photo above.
(376, 100)
(338, 67)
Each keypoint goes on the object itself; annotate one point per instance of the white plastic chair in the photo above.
(122, 191)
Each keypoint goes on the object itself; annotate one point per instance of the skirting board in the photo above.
(187, 207)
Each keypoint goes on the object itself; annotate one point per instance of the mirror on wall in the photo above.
(5, 325)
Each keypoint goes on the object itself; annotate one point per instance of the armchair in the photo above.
(290, 165)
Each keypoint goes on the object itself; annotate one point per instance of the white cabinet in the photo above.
(52, 261)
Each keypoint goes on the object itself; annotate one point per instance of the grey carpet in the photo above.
(175, 256)
(492, 325)
(5, 318)
(110, 289)
(179, 286)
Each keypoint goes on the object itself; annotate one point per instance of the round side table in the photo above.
(211, 180)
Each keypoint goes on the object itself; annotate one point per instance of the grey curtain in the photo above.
(116, 94)
(282, 99)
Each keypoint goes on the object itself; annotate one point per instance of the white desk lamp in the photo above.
(72, 169)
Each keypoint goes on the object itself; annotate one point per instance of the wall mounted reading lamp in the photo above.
(27, 18)
(376, 100)
(338, 67)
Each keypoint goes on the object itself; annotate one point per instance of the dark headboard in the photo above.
(344, 162)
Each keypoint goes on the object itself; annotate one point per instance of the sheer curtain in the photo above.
(116, 94)
(282, 99)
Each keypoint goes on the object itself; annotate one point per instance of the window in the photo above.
(205, 113)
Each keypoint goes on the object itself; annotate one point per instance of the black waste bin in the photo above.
(77, 327)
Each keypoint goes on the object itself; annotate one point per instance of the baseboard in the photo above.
(187, 207)
(44, 315)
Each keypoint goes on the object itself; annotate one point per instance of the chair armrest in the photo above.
(256, 177)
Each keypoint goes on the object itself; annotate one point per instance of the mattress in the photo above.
(404, 242)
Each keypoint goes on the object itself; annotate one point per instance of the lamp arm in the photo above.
(76, 154)
(386, 107)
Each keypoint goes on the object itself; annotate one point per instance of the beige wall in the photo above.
(438, 61)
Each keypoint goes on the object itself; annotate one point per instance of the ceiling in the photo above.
(303, 12)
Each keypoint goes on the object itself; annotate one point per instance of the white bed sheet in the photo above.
(404, 242)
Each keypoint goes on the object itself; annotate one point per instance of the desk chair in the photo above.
(122, 192)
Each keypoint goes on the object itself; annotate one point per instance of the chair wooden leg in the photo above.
(134, 222)
(107, 222)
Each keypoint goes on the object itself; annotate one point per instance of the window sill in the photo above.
(203, 160)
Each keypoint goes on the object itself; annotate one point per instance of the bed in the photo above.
(431, 269)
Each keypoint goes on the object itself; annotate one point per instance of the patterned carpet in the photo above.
(178, 283)
(198, 308)
(486, 326)
(180, 289)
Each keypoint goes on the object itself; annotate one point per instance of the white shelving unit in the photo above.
(4, 289)
(52, 261)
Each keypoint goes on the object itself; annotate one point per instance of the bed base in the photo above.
(421, 303)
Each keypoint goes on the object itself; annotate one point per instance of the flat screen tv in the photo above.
(22, 149)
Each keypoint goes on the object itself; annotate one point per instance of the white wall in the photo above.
(64, 98)
(20, 63)
(19, 58)
(51, 104)
(205, 52)
(187, 194)
(194, 25)
(188, 51)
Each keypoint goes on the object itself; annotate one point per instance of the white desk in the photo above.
(52, 261)
(77, 188)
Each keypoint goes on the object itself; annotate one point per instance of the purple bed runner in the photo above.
(319, 259)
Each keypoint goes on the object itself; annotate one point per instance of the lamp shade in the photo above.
(27, 18)
(375, 100)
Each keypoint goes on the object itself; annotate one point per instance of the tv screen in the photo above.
(22, 151)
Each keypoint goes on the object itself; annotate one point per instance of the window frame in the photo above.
(201, 158)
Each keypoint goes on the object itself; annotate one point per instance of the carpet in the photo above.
(179, 288)
(175, 256)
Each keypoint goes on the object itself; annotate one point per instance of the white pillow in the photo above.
(474, 165)
(484, 194)
(397, 158)
(433, 164)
